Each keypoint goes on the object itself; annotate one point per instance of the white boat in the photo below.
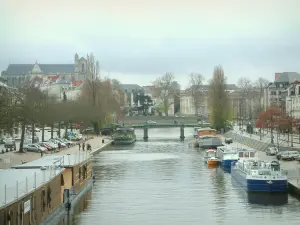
(257, 175)
(227, 155)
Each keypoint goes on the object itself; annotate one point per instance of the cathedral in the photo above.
(18, 75)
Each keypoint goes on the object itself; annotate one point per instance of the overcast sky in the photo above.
(139, 40)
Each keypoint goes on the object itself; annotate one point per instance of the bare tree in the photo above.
(165, 89)
(92, 80)
(261, 84)
(218, 97)
(196, 82)
(246, 97)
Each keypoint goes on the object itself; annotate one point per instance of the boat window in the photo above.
(252, 154)
(246, 154)
(264, 173)
(241, 154)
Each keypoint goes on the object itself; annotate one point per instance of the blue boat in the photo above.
(258, 176)
(227, 155)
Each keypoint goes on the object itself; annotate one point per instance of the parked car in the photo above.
(151, 122)
(10, 143)
(107, 131)
(228, 140)
(51, 144)
(289, 155)
(75, 137)
(34, 148)
(48, 147)
(272, 151)
(57, 141)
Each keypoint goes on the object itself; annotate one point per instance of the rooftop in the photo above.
(63, 161)
(287, 77)
(16, 183)
(20, 69)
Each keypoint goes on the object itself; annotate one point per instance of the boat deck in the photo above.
(58, 160)
(15, 184)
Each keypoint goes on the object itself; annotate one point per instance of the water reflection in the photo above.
(268, 198)
(226, 169)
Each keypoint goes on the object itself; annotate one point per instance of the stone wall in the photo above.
(252, 143)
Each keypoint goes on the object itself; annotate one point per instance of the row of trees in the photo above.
(99, 99)
(275, 118)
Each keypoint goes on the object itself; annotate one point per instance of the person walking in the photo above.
(59, 146)
(79, 146)
(83, 146)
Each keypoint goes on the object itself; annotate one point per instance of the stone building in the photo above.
(275, 93)
(187, 106)
(53, 78)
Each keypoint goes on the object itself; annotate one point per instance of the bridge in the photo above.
(146, 126)
(160, 125)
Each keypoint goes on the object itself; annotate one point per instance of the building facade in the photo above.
(187, 106)
(293, 100)
(275, 93)
(51, 78)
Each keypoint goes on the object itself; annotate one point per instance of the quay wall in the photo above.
(252, 143)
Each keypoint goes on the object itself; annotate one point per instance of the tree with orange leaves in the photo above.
(269, 119)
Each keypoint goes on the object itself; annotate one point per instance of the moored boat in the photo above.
(227, 155)
(212, 161)
(62, 180)
(258, 176)
(210, 157)
(209, 141)
(124, 136)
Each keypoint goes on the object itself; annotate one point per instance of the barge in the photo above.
(38, 191)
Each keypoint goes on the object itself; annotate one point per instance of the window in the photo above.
(79, 172)
(82, 67)
(252, 154)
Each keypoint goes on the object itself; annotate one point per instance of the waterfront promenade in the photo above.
(13, 158)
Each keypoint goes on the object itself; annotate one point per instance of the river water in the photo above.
(164, 181)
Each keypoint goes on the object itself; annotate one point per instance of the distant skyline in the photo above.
(137, 41)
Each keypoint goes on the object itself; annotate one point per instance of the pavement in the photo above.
(14, 158)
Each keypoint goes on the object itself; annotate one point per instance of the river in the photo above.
(164, 181)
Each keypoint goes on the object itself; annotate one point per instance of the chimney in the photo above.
(277, 75)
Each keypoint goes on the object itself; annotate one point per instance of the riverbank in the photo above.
(14, 158)
(290, 168)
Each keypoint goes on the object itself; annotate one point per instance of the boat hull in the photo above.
(259, 185)
(212, 162)
(123, 142)
(227, 162)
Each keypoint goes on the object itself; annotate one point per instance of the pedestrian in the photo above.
(79, 146)
(59, 146)
(83, 146)
(41, 154)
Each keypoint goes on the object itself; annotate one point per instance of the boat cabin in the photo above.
(247, 154)
(206, 131)
(210, 153)
(227, 153)
(28, 196)
(77, 169)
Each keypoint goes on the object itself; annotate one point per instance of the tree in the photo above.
(269, 119)
(166, 90)
(246, 92)
(218, 97)
(196, 82)
(29, 104)
(261, 84)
